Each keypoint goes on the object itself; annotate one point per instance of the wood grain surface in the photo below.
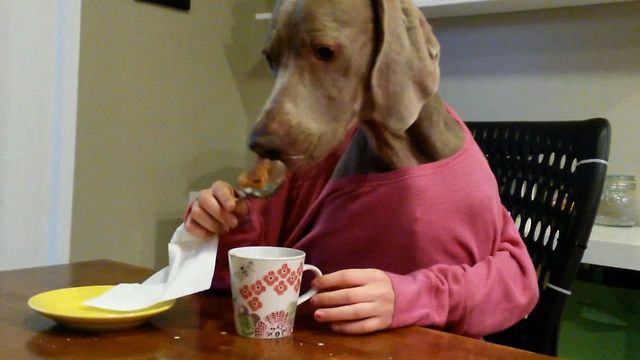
(200, 326)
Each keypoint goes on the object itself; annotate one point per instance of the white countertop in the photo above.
(614, 246)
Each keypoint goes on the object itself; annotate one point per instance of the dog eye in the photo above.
(269, 60)
(324, 53)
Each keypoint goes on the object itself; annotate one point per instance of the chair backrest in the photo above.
(550, 176)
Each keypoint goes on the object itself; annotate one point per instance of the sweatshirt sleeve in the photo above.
(472, 300)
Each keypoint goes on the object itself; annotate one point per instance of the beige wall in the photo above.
(165, 102)
(563, 64)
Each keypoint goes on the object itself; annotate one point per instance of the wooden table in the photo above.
(200, 326)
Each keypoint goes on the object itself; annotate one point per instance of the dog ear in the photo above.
(405, 72)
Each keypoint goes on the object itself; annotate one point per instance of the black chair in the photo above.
(550, 176)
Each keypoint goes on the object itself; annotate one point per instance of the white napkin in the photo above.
(191, 264)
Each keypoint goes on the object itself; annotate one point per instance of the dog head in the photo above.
(337, 62)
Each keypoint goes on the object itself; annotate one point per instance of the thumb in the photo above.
(242, 208)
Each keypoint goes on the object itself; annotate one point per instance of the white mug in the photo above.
(265, 283)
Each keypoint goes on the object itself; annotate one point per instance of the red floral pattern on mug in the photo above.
(270, 278)
(245, 292)
(255, 304)
(280, 288)
(296, 287)
(300, 269)
(258, 288)
(292, 279)
(275, 325)
(284, 271)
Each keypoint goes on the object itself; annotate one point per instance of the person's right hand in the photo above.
(215, 211)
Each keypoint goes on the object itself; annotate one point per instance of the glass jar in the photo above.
(619, 204)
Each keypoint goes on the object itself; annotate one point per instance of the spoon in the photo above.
(277, 173)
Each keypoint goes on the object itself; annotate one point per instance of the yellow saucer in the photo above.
(65, 307)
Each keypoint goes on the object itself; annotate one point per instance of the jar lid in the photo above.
(621, 178)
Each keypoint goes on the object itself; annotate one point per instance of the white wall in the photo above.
(39, 42)
(562, 64)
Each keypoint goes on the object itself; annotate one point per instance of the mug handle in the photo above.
(306, 296)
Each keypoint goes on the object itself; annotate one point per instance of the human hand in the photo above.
(354, 301)
(215, 211)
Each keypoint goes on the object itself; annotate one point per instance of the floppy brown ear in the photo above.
(405, 71)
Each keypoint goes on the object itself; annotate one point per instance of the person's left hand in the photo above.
(354, 301)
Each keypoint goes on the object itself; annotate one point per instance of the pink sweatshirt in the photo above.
(439, 230)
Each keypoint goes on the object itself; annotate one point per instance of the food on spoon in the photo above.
(257, 177)
(263, 180)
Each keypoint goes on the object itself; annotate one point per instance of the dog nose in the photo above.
(264, 147)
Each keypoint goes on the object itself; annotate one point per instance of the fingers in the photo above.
(345, 296)
(215, 211)
(242, 209)
(224, 193)
(195, 229)
(355, 301)
(226, 197)
(203, 218)
(347, 313)
(346, 279)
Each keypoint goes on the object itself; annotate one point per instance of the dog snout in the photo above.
(265, 146)
(270, 133)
